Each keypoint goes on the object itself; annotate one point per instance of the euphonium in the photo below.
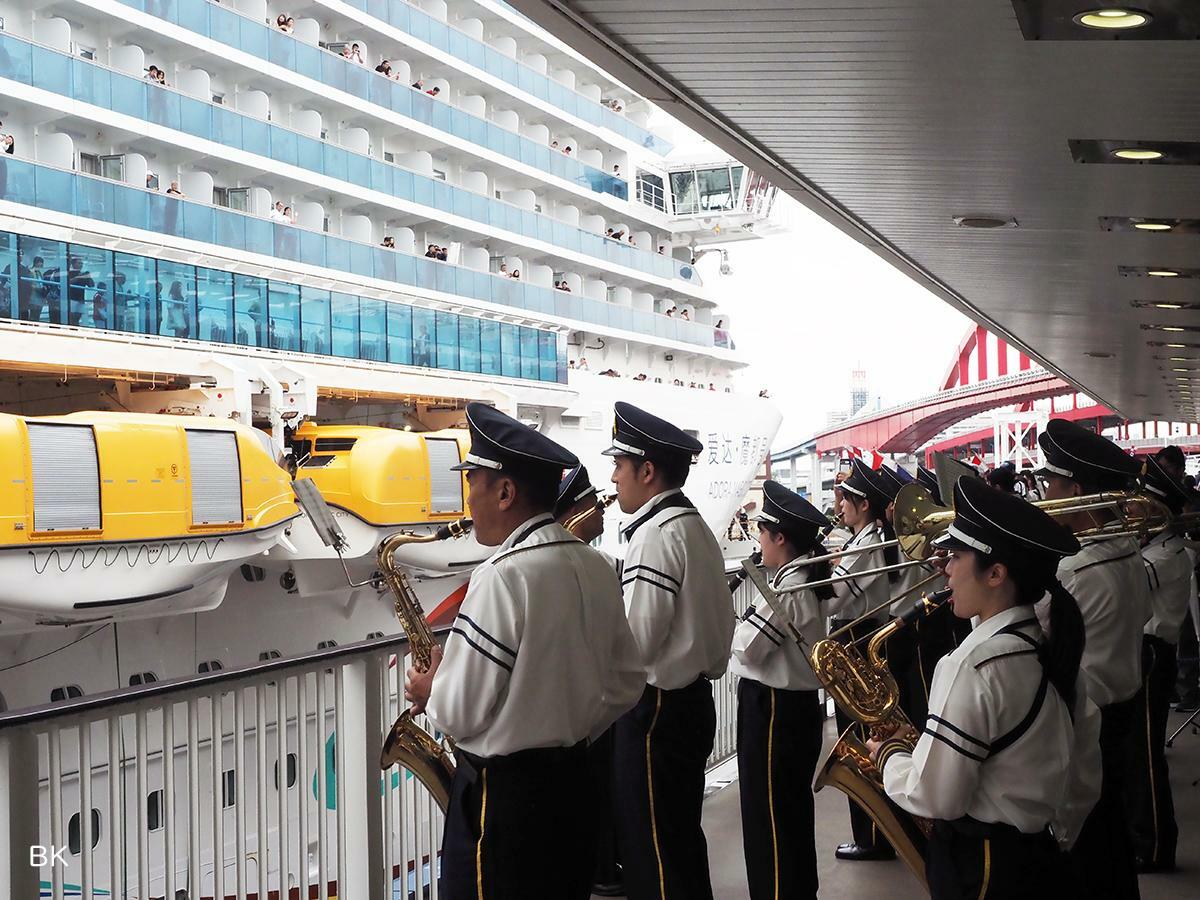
(408, 743)
(863, 686)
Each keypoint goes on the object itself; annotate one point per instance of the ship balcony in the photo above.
(142, 214)
(407, 173)
(233, 48)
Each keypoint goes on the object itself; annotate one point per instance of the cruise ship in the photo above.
(243, 242)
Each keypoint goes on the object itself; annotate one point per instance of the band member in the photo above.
(780, 717)
(1008, 713)
(864, 511)
(1169, 575)
(539, 660)
(578, 500)
(928, 480)
(682, 619)
(1108, 580)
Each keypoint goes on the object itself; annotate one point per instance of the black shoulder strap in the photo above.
(676, 500)
(1011, 737)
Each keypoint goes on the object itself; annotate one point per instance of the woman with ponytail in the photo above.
(1007, 764)
(779, 714)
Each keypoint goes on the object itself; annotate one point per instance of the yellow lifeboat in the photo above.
(124, 515)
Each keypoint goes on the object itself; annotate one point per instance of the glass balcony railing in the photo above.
(63, 191)
(89, 82)
(449, 39)
(223, 24)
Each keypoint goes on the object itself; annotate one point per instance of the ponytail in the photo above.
(891, 555)
(804, 543)
(820, 571)
(1062, 649)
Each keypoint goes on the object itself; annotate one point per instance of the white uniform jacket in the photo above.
(540, 654)
(968, 761)
(904, 591)
(1169, 577)
(1108, 581)
(676, 594)
(763, 646)
(854, 597)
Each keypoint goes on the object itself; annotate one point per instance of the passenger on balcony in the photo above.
(616, 171)
(583, 364)
(567, 150)
(356, 55)
(389, 242)
(661, 250)
(503, 270)
(174, 191)
(419, 85)
(516, 273)
(10, 144)
(161, 77)
(554, 145)
(434, 91)
(684, 315)
(671, 312)
(78, 281)
(384, 68)
(151, 74)
(632, 242)
(288, 217)
(276, 212)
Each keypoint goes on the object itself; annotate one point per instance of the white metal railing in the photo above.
(725, 690)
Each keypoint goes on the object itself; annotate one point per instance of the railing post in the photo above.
(19, 825)
(360, 740)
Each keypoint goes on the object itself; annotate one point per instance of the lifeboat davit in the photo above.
(123, 515)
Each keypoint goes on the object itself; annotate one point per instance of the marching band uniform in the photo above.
(780, 717)
(1108, 580)
(681, 615)
(539, 660)
(852, 599)
(1169, 576)
(992, 763)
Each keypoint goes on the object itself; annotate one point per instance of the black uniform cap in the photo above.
(866, 483)
(646, 436)
(1162, 486)
(891, 480)
(1080, 454)
(928, 480)
(501, 443)
(1004, 525)
(575, 485)
(787, 509)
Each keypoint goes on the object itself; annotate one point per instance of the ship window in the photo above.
(326, 645)
(75, 832)
(468, 344)
(216, 477)
(445, 486)
(714, 189)
(210, 665)
(371, 636)
(446, 342)
(154, 810)
(89, 163)
(510, 350)
(66, 478)
(683, 193)
(399, 333)
(291, 771)
(228, 789)
(66, 692)
(142, 678)
(489, 347)
(266, 655)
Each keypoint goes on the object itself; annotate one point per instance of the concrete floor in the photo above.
(722, 824)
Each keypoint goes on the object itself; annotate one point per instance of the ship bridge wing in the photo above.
(893, 118)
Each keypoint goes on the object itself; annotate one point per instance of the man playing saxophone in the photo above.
(1011, 741)
(539, 660)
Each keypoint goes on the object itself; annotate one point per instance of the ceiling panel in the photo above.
(891, 117)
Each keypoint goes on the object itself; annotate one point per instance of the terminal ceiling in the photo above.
(890, 118)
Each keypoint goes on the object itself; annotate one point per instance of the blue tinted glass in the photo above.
(489, 347)
(468, 344)
(9, 273)
(510, 350)
(423, 330)
(314, 320)
(43, 279)
(447, 340)
(373, 329)
(134, 293)
(399, 334)
(214, 305)
(176, 299)
(547, 345)
(529, 352)
(89, 287)
(345, 325)
(250, 310)
(284, 323)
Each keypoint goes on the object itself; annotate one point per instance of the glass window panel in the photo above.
(683, 192)
(9, 274)
(345, 325)
(713, 189)
(134, 293)
(468, 344)
(529, 352)
(423, 330)
(547, 345)
(176, 289)
(42, 279)
(250, 310)
(284, 323)
(89, 287)
(510, 350)
(447, 340)
(737, 180)
(214, 305)
(489, 347)
(373, 328)
(314, 320)
(399, 334)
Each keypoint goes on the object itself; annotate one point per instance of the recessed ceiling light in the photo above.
(1181, 370)
(1113, 17)
(1153, 226)
(1168, 306)
(1170, 328)
(1138, 153)
(1177, 346)
(984, 222)
(1163, 273)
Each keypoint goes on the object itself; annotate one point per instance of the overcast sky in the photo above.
(809, 306)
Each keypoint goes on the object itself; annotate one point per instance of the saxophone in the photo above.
(408, 743)
(865, 689)
(576, 522)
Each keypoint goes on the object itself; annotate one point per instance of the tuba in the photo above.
(863, 686)
(408, 743)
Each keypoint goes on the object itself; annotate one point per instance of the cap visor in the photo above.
(948, 541)
(616, 451)
(465, 466)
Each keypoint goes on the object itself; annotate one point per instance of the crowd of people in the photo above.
(433, 251)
